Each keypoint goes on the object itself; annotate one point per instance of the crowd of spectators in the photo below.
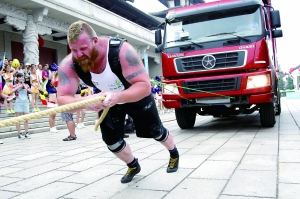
(22, 85)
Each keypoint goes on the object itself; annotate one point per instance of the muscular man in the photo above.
(89, 53)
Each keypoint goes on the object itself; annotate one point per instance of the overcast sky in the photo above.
(287, 46)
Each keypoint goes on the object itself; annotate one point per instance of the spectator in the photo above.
(39, 73)
(159, 99)
(8, 76)
(51, 89)
(153, 90)
(35, 86)
(68, 118)
(1, 96)
(45, 73)
(20, 69)
(27, 73)
(22, 103)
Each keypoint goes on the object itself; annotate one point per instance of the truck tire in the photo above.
(267, 114)
(185, 117)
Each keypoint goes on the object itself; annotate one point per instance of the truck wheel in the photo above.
(267, 114)
(185, 117)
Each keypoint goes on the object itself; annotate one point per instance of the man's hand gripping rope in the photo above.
(64, 108)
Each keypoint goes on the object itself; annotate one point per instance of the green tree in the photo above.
(281, 82)
(290, 83)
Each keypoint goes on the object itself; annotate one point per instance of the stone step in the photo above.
(44, 121)
(39, 125)
(44, 129)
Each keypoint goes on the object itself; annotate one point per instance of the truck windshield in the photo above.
(206, 27)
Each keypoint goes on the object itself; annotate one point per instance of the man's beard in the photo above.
(88, 63)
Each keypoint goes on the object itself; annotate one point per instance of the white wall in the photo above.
(154, 68)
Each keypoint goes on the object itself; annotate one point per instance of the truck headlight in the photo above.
(258, 81)
(170, 89)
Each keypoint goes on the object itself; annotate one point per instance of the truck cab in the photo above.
(219, 58)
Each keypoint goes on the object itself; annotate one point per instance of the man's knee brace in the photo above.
(163, 136)
(118, 146)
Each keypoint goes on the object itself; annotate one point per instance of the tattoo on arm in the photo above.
(129, 77)
(132, 58)
(63, 78)
(69, 63)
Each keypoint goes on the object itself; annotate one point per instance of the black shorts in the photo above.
(144, 115)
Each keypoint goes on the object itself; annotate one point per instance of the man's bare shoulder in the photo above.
(129, 56)
(67, 64)
(67, 71)
(103, 40)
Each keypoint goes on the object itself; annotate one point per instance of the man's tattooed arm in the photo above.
(132, 58)
(69, 63)
(63, 78)
(129, 77)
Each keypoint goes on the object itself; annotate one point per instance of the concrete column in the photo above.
(146, 62)
(30, 42)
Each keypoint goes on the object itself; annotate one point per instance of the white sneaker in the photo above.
(82, 125)
(20, 136)
(53, 130)
(79, 126)
(26, 135)
(1, 142)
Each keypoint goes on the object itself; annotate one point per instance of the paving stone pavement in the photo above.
(224, 158)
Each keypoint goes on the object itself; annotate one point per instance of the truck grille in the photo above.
(223, 60)
(217, 85)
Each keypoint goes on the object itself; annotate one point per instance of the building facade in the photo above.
(34, 31)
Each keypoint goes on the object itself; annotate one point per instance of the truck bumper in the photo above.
(172, 104)
(240, 95)
(262, 98)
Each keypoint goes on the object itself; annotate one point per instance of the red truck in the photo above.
(219, 58)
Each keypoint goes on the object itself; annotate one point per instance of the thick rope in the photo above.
(64, 108)
(105, 111)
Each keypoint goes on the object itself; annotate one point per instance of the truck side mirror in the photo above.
(158, 49)
(158, 39)
(276, 33)
(275, 18)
